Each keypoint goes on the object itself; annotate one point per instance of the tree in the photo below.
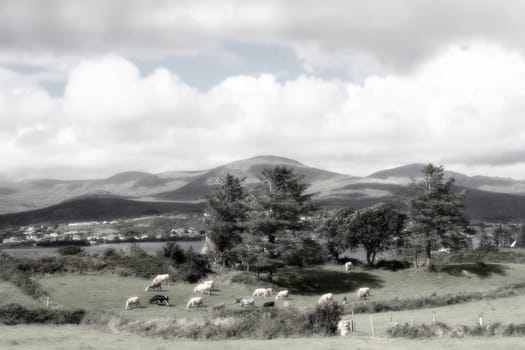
(376, 229)
(436, 213)
(334, 231)
(227, 210)
(279, 210)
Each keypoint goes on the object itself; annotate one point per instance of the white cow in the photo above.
(245, 302)
(211, 283)
(202, 288)
(194, 302)
(283, 294)
(161, 278)
(132, 301)
(348, 266)
(260, 292)
(362, 293)
(154, 285)
(326, 298)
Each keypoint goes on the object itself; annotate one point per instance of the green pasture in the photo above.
(32, 337)
(504, 310)
(11, 294)
(109, 292)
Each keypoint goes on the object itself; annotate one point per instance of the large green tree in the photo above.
(226, 214)
(375, 228)
(280, 208)
(436, 213)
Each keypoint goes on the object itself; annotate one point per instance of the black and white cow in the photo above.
(160, 300)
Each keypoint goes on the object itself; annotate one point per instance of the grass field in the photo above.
(9, 293)
(109, 292)
(78, 337)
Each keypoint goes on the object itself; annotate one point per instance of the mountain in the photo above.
(97, 208)
(249, 169)
(137, 193)
(404, 174)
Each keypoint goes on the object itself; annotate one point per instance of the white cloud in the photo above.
(463, 108)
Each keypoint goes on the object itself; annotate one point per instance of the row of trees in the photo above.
(267, 227)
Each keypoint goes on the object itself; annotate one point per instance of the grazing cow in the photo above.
(154, 285)
(344, 301)
(269, 304)
(218, 307)
(348, 266)
(362, 293)
(160, 300)
(260, 292)
(132, 301)
(161, 278)
(466, 274)
(244, 302)
(283, 294)
(203, 288)
(211, 283)
(194, 302)
(326, 298)
(269, 291)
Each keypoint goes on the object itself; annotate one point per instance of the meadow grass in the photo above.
(11, 294)
(505, 310)
(33, 337)
(109, 292)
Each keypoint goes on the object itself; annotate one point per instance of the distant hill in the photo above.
(138, 193)
(249, 169)
(97, 208)
(403, 175)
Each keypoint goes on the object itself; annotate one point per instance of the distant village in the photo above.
(155, 228)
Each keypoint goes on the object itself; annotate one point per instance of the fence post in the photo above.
(372, 325)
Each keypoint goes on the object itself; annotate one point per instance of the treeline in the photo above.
(272, 225)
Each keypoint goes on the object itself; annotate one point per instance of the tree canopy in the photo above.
(227, 212)
(436, 213)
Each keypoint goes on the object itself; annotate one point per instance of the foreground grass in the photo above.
(109, 292)
(505, 310)
(78, 337)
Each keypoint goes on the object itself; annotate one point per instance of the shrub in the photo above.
(392, 265)
(323, 319)
(12, 314)
(69, 250)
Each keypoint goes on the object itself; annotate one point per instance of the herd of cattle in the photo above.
(207, 287)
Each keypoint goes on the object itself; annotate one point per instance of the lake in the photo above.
(149, 247)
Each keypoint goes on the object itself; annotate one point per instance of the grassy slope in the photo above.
(505, 310)
(9, 293)
(78, 337)
(110, 292)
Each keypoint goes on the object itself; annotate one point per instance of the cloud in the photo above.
(362, 37)
(463, 108)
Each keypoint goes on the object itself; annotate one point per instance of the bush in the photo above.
(392, 265)
(15, 314)
(69, 250)
(441, 329)
(194, 267)
(245, 323)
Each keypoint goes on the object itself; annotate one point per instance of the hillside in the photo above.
(135, 193)
(97, 208)
(404, 174)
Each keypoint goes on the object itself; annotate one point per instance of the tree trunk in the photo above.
(270, 276)
(428, 251)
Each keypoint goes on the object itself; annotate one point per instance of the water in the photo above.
(149, 247)
(153, 247)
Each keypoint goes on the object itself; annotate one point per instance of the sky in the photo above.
(92, 88)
